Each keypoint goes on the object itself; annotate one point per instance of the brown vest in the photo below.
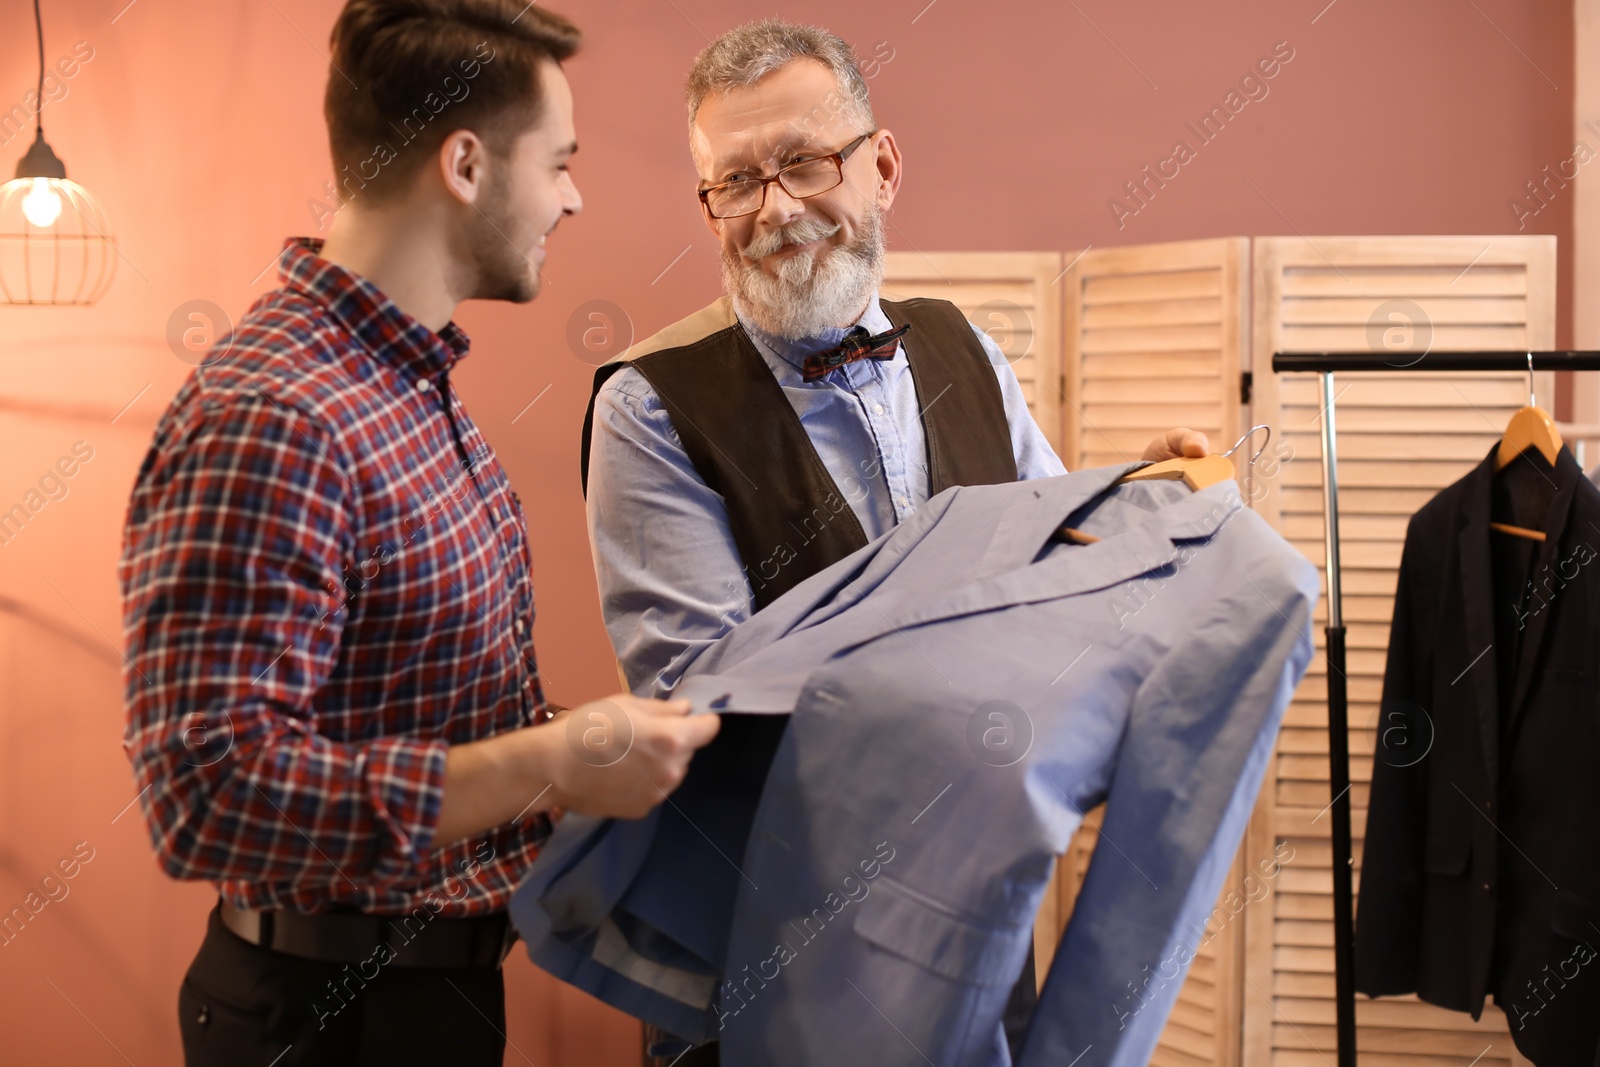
(788, 517)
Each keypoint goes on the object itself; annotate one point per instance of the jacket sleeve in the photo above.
(1200, 735)
(1389, 909)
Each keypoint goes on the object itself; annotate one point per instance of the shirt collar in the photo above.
(388, 334)
(795, 352)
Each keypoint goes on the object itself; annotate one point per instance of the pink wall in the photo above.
(199, 125)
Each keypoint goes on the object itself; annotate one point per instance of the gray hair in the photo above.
(746, 54)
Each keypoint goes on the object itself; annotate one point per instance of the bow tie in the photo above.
(858, 345)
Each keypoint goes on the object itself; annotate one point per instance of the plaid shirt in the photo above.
(325, 584)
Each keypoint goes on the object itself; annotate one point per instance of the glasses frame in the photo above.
(838, 158)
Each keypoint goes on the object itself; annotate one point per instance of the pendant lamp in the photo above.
(56, 246)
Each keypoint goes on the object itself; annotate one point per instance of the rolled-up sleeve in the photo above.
(232, 596)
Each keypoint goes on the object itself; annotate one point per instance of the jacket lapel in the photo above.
(1555, 525)
(1027, 526)
(1010, 576)
(1472, 546)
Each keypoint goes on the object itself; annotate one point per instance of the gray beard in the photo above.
(809, 292)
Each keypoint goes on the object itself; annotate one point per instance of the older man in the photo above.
(739, 450)
(798, 417)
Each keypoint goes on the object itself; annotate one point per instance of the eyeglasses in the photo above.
(801, 179)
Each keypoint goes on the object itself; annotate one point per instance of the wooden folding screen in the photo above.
(1155, 339)
(1401, 438)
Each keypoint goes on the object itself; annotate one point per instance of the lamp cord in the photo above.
(38, 115)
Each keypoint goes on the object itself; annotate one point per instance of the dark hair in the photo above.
(408, 73)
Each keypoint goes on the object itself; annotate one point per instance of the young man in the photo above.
(750, 445)
(334, 712)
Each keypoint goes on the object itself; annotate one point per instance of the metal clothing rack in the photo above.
(1325, 364)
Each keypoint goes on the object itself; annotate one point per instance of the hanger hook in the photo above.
(1533, 401)
(1247, 435)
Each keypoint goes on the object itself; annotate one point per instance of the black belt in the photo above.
(420, 939)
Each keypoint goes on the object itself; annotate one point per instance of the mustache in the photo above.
(801, 231)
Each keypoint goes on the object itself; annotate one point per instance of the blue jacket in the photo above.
(957, 693)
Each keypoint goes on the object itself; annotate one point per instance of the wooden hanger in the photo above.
(1196, 473)
(1532, 427)
(1529, 428)
(1517, 531)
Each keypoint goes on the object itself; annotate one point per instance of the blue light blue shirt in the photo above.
(670, 575)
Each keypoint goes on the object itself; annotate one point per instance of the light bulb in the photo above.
(42, 205)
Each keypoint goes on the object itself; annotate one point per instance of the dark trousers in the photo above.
(244, 1006)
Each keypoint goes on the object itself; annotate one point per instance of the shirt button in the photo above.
(423, 385)
(877, 409)
(520, 626)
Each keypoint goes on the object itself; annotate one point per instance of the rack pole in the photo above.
(1338, 746)
(1297, 362)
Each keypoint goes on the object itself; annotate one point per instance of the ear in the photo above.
(888, 163)
(463, 165)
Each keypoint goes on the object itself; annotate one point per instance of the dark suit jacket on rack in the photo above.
(1482, 864)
